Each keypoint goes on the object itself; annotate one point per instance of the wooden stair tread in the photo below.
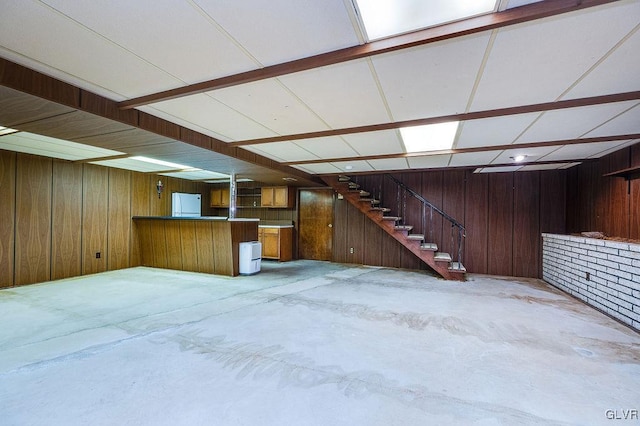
(403, 227)
(457, 267)
(442, 257)
(370, 200)
(380, 209)
(393, 218)
(429, 247)
(418, 237)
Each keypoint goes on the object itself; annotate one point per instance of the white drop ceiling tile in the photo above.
(429, 161)
(183, 48)
(30, 143)
(283, 151)
(624, 124)
(615, 148)
(389, 164)
(618, 73)
(518, 3)
(537, 61)
(211, 115)
(320, 168)
(327, 147)
(580, 152)
(473, 158)
(375, 143)
(343, 95)
(272, 105)
(432, 80)
(573, 122)
(493, 131)
(76, 54)
(282, 30)
(256, 150)
(532, 154)
(353, 166)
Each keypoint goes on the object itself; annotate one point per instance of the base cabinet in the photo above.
(277, 243)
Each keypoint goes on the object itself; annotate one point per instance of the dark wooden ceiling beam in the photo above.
(451, 30)
(473, 149)
(500, 112)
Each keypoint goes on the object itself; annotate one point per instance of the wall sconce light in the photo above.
(159, 187)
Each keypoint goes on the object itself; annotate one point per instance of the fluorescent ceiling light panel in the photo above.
(31, 143)
(167, 164)
(6, 131)
(133, 164)
(385, 18)
(196, 174)
(432, 137)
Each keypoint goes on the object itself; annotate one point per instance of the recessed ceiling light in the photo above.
(384, 18)
(519, 158)
(432, 137)
(290, 179)
(348, 167)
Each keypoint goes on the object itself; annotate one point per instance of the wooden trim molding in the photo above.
(476, 115)
(452, 30)
(474, 149)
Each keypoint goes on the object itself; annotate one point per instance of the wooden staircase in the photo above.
(428, 252)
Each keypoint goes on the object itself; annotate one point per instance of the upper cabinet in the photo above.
(219, 197)
(277, 196)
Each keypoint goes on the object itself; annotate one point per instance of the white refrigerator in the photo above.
(186, 205)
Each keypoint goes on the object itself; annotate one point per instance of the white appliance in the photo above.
(250, 257)
(186, 205)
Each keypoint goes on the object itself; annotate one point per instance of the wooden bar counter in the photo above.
(198, 244)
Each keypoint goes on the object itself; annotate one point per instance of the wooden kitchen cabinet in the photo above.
(219, 197)
(277, 196)
(277, 243)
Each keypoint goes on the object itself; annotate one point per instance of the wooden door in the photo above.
(315, 224)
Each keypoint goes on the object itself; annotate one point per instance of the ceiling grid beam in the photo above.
(435, 34)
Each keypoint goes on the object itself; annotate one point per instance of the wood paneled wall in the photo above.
(504, 215)
(56, 215)
(605, 204)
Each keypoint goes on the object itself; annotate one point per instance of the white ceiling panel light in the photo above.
(384, 18)
(6, 131)
(196, 174)
(143, 164)
(431, 137)
(31, 143)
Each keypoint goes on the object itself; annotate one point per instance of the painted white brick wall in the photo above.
(604, 274)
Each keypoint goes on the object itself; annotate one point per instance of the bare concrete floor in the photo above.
(309, 343)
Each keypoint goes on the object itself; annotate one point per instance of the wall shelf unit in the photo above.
(628, 174)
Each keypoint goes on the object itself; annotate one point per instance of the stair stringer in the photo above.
(427, 256)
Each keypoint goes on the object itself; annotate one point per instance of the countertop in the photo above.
(221, 218)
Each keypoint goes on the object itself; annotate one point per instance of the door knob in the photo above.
(330, 226)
